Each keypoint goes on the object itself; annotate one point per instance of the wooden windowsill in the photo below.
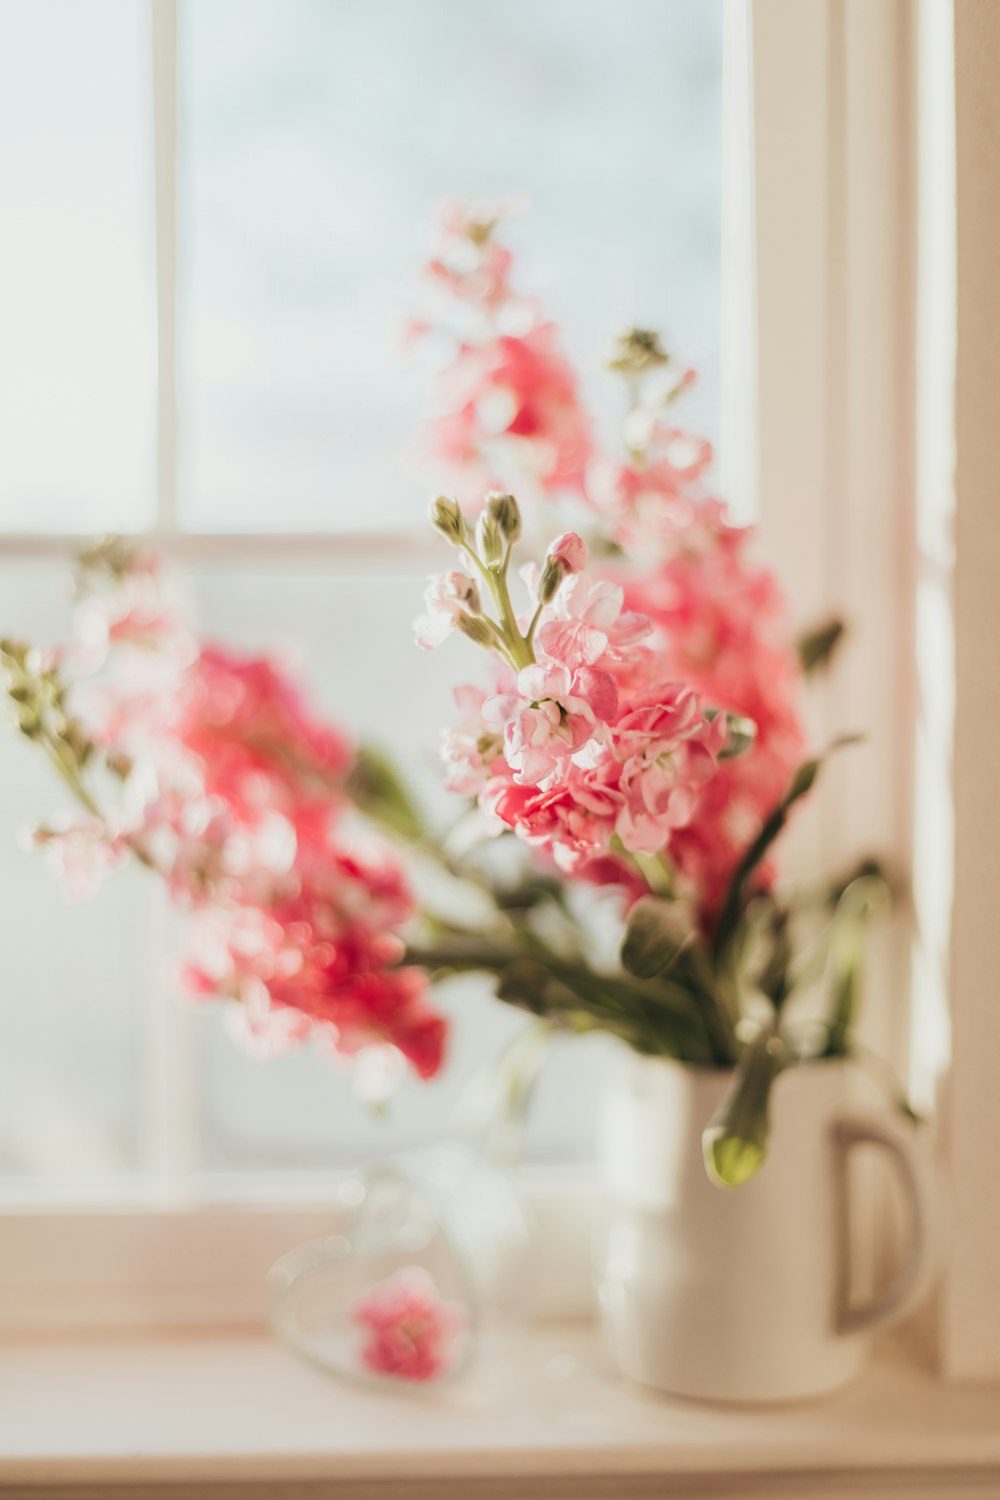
(234, 1414)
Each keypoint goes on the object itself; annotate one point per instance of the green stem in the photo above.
(70, 775)
(511, 644)
(530, 637)
(614, 997)
(521, 652)
(653, 871)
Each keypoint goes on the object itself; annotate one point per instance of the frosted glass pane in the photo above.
(77, 312)
(76, 979)
(315, 137)
(353, 641)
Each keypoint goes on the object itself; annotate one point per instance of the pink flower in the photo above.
(510, 411)
(586, 622)
(571, 820)
(322, 943)
(570, 550)
(295, 979)
(535, 745)
(720, 623)
(673, 757)
(410, 1332)
(82, 855)
(471, 748)
(125, 606)
(643, 782)
(654, 503)
(556, 717)
(254, 736)
(467, 262)
(507, 406)
(446, 596)
(265, 1030)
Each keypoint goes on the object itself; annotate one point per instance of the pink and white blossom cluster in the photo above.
(716, 619)
(585, 748)
(506, 402)
(719, 623)
(234, 791)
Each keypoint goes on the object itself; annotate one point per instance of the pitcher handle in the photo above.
(856, 1317)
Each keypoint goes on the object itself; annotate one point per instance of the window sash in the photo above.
(819, 295)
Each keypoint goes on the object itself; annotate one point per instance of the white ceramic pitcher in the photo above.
(739, 1294)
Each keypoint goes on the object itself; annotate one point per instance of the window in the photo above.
(215, 209)
(187, 344)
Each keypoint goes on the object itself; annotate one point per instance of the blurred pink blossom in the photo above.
(233, 790)
(255, 738)
(81, 854)
(506, 403)
(720, 624)
(409, 1331)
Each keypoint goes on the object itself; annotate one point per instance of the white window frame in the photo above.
(822, 311)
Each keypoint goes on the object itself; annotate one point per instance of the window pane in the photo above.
(78, 980)
(315, 137)
(77, 312)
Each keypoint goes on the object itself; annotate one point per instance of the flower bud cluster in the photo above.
(452, 599)
(35, 688)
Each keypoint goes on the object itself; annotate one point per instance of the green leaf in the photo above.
(869, 867)
(528, 985)
(378, 791)
(655, 933)
(734, 1142)
(773, 979)
(802, 782)
(817, 647)
(857, 905)
(533, 891)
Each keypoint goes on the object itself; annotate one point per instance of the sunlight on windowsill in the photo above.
(229, 1407)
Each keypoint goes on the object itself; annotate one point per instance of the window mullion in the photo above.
(164, 78)
(170, 1064)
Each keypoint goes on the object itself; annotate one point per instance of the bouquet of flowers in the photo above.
(636, 739)
(640, 726)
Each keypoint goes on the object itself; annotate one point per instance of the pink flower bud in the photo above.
(570, 550)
